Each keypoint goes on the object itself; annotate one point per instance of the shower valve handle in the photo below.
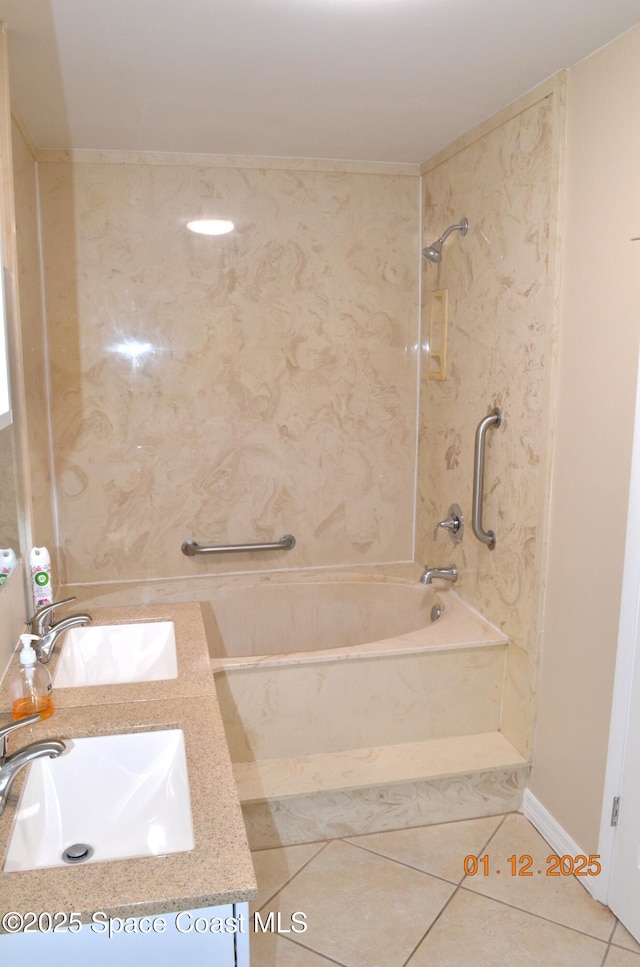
(454, 524)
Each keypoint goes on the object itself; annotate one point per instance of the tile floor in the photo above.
(401, 898)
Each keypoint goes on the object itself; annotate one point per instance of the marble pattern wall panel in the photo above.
(33, 340)
(501, 332)
(230, 389)
(306, 709)
(333, 813)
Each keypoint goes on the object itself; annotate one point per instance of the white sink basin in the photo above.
(120, 795)
(117, 654)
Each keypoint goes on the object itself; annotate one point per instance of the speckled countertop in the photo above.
(218, 870)
(194, 669)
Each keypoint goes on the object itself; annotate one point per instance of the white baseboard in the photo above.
(560, 841)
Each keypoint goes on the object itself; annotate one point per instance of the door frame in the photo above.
(628, 648)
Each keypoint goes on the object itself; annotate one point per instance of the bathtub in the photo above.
(338, 692)
(326, 621)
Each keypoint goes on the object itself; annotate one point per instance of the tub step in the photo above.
(322, 796)
(386, 764)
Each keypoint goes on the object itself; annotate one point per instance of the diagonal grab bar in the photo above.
(190, 548)
(487, 537)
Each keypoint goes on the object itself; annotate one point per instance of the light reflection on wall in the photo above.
(133, 350)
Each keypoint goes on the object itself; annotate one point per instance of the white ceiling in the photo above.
(376, 80)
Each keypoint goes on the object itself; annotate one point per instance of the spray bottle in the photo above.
(40, 564)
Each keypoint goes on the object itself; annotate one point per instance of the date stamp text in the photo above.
(524, 865)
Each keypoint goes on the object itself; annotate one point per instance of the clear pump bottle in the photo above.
(31, 690)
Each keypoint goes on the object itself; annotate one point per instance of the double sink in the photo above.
(115, 796)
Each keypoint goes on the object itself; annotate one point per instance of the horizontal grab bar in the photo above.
(191, 548)
(487, 537)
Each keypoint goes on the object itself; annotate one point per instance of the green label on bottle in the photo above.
(41, 579)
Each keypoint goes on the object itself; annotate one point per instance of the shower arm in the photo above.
(460, 227)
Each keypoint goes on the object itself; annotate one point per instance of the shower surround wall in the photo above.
(230, 389)
(501, 280)
(37, 495)
(237, 388)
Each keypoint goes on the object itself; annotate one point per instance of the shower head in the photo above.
(434, 252)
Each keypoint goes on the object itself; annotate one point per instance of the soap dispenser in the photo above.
(31, 690)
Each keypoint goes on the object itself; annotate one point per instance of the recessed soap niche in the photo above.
(438, 316)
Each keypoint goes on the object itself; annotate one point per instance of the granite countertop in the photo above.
(219, 869)
(194, 669)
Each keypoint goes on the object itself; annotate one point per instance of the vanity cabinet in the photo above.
(216, 867)
(200, 938)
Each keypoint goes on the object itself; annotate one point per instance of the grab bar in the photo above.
(487, 537)
(191, 548)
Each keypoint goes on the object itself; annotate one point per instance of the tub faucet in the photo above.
(49, 631)
(10, 765)
(444, 573)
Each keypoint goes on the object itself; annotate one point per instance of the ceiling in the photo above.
(366, 80)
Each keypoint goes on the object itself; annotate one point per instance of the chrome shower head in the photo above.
(434, 252)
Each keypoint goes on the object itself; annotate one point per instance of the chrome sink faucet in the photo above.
(49, 631)
(10, 765)
(444, 573)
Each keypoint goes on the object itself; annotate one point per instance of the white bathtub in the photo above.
(347, 709)
(327, 621)
(307, 669)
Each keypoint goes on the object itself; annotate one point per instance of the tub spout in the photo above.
(444, 573)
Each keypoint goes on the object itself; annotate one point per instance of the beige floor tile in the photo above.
(270, 950)
(362, 909)
(437, 849)
(559, 898)
(618, 957)
(622, 938)
(476, 932)
(275, 867)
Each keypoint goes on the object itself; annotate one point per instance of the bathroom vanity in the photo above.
(115, 907)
